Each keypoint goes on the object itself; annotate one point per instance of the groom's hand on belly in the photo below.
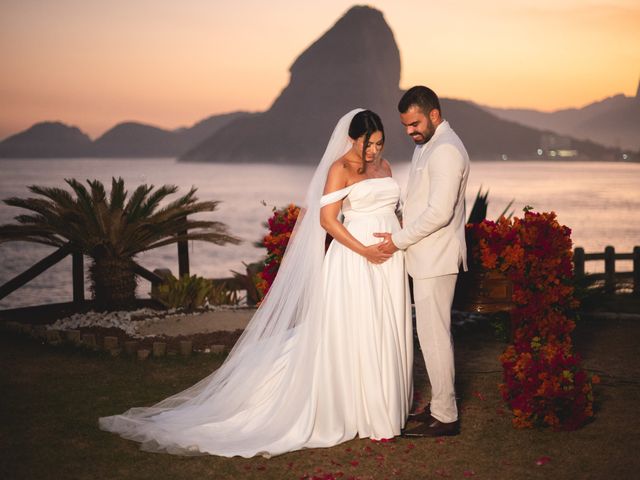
(387, 245)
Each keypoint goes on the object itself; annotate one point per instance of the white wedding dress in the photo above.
(327, 357)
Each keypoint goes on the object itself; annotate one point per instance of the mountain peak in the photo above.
(356, 63)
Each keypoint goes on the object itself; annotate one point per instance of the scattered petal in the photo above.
(479, 395)
(469, 473)
(543, 461)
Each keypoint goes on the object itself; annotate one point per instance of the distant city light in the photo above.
(625, 156)
(504, 156)
(540, 152)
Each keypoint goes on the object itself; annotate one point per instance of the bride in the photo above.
(328, 354)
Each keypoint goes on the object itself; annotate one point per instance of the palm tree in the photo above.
(113, 230)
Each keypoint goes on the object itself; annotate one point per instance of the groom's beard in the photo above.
(420, 138)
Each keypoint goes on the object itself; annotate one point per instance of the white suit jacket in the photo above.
(434, 213)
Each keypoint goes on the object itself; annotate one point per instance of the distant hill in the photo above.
(125, 140)
(614, 121)
(189, 137)
(356, 63)
(47, 140)
(132, 139)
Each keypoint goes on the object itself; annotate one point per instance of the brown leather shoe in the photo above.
(434, 428)
(423, 416)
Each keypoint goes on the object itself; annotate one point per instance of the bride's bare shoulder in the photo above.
(341, 168)
(386, 166)
(338, 175)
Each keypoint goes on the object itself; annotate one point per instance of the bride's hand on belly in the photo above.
(375, 255)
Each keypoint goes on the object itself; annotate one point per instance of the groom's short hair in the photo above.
(420, 96)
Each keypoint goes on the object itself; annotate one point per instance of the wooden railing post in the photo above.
(78, 277)
(609, 269)
(578, 262)
(183, 256)
(636, 270)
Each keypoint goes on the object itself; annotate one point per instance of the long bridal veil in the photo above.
(263, 390)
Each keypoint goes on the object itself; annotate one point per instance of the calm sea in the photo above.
(599, 201)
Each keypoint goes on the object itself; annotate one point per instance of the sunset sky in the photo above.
(170, 63)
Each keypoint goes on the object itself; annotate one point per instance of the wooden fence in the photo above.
(610, 276)
(77, 271)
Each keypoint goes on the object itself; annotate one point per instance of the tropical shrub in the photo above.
(112, 229)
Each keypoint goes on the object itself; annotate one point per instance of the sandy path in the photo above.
(229, 320)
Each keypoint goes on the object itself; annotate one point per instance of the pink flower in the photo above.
(543, 461)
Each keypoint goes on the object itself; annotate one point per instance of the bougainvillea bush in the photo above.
(543, 381)
(280, 226)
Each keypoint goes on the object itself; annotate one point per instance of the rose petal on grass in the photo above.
(354, 463)
(543, 461)
(479, 395)
(468, 473)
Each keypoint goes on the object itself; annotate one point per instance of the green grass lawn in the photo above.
(51, 398)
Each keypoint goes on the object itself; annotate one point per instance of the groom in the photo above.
(433, 238)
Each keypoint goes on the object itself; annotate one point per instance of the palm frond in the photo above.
(98, 193)
(182, 202)
(30, 219)
(135, 201)
(152, 202)
(85, 206)
(30, 233)
(58, 196)
(38, 205)
(118, 195)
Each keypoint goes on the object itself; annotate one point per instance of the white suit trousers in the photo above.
(433, 298)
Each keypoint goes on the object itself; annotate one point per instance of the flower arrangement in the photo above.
(543, 381)
(280, 226)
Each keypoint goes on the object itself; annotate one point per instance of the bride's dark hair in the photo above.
(365, 123)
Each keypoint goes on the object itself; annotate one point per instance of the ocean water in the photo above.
(599, 201)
